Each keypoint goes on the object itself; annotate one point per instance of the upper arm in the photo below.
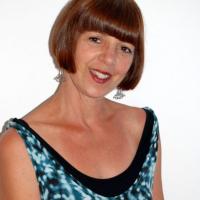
(17, 176)
(157, 186)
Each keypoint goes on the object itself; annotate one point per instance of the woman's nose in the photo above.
(109, 55)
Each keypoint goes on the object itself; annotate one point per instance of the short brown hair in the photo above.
(119, 18)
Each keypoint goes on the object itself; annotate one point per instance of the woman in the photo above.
(78, 144)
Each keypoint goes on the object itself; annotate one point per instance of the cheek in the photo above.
(77, 57)
(125, 66)
(83, 59)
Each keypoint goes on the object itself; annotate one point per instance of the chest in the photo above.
(99, 152)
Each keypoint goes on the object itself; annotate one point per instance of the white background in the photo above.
(170, 84)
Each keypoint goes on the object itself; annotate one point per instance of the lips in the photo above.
(100, 76)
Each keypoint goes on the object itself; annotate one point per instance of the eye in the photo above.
(126, 49)
(95, 39)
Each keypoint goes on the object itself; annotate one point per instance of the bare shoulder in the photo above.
(129, 113)
(132, 118)
(10, 141)
(15, 169)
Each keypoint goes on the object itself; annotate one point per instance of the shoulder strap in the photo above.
(26, 134)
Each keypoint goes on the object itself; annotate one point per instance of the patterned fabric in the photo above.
(56, 182)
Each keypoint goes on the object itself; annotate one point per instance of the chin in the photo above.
(97, 93)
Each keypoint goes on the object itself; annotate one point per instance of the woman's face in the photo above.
(102, 62)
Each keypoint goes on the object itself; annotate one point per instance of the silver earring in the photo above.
(119, 94)
(60, 76)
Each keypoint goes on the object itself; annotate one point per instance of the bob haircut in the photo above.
(119, 18)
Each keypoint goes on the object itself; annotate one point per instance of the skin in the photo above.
(80, 124)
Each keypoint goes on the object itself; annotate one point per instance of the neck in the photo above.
(75, 106)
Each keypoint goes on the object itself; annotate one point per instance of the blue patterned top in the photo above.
(59, 180)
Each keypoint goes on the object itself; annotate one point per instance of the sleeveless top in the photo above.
(59, 180)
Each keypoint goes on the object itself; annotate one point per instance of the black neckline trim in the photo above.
(107, 187)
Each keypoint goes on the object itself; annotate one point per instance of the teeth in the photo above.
(100, 75)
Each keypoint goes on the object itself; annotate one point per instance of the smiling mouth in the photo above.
(100, 76)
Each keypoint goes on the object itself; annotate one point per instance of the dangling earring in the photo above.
(60, 76)
(119, 94)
